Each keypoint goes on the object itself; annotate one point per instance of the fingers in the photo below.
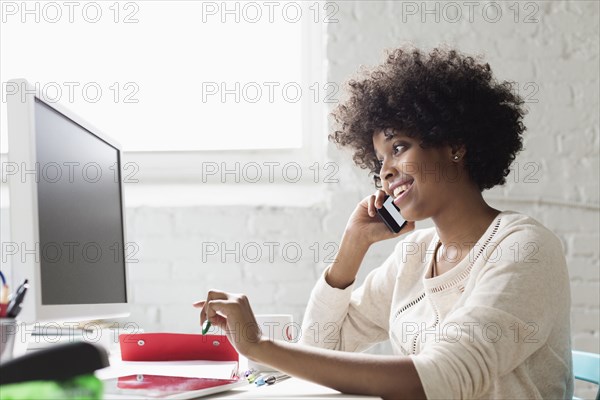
(380, 198)
(212, 295)
(223, 307)
(217, 312)
(375, 201)
(216, 294)
(219, 305)
(371, 206)
(199, 303)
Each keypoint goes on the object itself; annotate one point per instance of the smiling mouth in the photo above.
(402, 188)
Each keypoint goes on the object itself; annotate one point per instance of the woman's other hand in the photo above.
(233, 314)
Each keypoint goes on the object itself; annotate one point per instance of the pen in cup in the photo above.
(4, 291)
(4, 301)
(14, 306)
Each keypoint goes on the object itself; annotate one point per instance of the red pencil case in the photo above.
(176, 347)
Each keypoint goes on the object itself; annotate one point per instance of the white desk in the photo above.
(292, 388)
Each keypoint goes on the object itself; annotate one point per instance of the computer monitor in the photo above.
(66, 212)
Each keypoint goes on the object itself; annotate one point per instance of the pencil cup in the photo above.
(275, 327)
(8, 335)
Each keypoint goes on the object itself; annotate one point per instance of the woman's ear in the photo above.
(457, 152)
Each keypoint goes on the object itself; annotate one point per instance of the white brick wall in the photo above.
(558, 54)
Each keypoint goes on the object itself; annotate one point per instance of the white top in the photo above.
(497, 325)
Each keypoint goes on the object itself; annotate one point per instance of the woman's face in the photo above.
(421, 181)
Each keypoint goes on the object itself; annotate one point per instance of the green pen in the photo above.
(206, 327)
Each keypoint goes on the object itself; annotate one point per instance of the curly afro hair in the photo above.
(440, 98)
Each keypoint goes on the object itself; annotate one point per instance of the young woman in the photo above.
(476, 307)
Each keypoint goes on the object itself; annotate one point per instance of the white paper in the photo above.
(188, 369)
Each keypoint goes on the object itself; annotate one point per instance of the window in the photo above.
(176, 77)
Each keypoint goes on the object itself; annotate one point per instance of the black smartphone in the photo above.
(390, 214)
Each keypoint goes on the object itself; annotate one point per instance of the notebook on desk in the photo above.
(166, 387)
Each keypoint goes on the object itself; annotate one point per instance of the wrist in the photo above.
(256, 352)
(338, 281)
(342, 272)
(356, 241)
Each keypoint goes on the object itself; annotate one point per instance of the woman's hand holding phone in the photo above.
(364, 228)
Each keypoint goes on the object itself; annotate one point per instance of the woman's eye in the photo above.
(398, 148)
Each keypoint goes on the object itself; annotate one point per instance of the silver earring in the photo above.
(456, 157)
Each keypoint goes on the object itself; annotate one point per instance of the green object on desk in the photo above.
(206, 327)
(84, 387)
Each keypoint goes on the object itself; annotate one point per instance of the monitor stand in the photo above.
(44, 335)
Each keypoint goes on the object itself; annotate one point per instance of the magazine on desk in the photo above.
(142, 386)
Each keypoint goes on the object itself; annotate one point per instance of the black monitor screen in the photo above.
(80, 215)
